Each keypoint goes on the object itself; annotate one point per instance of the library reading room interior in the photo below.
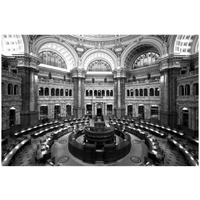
(99, 100)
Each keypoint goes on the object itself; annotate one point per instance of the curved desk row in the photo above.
(34, 128)
(7, 157)
(42, 132)
(167, 129)
(154, 151)
(185, 152)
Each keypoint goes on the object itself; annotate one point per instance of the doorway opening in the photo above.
(141, 112)
(12, 116)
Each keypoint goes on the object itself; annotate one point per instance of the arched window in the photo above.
(16, 90)
(57, 92)
(66, 92)
(103, 93)
(141, 92)
(61, 92)
(130, 110)
(128, 93)
(107, 93)
(187, 89)
(91, 93)
(95, 93)
(99, 93)
(70, 92)
(52, 92)
(111, 93)
(46, 91)
(195, 89)
(185, 117)
(132, 92)
(3, 86)
(86, 93)
(157, 92)
(151, 92)
(68, 110)
(181, 90)
(136, 92)
(10, 89)
(154, 111)
(41, 91)
(145, 92)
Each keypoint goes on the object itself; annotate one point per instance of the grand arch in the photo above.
(95, 54)
(52, 43)
(155, 42)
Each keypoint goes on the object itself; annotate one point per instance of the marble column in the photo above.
(119, 92)
(78, 76)
(169, 69)
(28, 70)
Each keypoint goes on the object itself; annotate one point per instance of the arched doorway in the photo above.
(185, 117)
(141, 111)
(12, 116)
(130, 110)
(57, 112)
(99, 109)
(68, 110)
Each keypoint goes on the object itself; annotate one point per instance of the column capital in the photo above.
(119, 73)
(78, 73)
(28, 60)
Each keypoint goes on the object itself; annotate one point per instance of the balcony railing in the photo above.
(10, 74)
(193, 73)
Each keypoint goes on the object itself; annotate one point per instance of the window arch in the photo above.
(52, 92)
(195, 89)
(66, 92)
(46, 91)
(151, 92)
(107, 93)
(95, 93)
(103, 93)
(41, 91)
(57, 92)
(187, 89)
(145, 92)
(181, 90)
(136, 92)
(131, 93)
(128, 93)
(141, 92)
(3, 86)
(111, 93)
(91, 93)
(70, 92)
(86, 93)
(16, 90)
(61, 92)
(10, 89)
(157, 92)
(146, 59)
(99, 93)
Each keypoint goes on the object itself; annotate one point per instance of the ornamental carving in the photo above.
(99, 65)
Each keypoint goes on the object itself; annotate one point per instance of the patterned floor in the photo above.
(26, 156)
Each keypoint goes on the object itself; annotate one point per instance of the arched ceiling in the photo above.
(12, 44)
(62, 51)
(183, 44)
(136, 52)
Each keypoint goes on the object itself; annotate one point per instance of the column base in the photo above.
(119, 112)
(79, 112)
(29, 119)
(168, 119)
